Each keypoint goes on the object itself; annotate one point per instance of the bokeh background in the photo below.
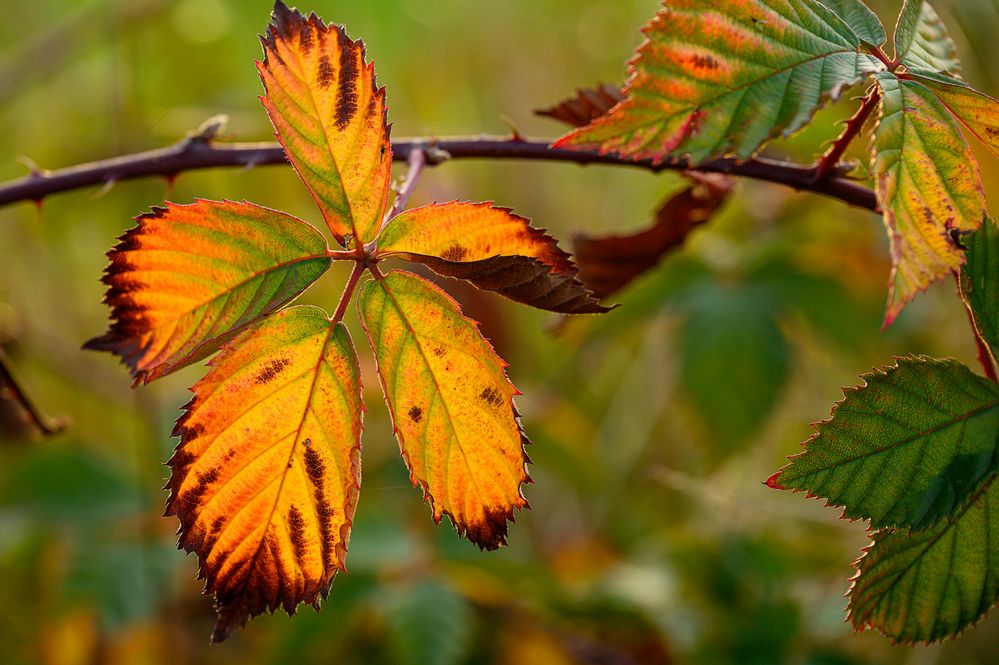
(651, 539)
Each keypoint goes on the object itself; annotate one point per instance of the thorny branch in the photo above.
(201, 152)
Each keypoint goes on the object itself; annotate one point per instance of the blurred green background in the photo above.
(651, 539)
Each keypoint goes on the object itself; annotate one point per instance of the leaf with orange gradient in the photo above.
(188, 278)
(494, 249)
(266, 475)
(928, 185)
(331, 119)
(723, 77)
(451, 403)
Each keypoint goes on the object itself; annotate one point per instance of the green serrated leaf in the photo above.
(429, 625)
(926, 586)
(921, 39)
(724, 77)
(906, 448)
(861, 19)
(980, 282)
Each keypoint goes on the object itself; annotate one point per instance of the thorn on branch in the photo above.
(207, 131)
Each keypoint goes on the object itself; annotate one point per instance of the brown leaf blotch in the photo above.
(271, 370)
(454, 253)
(346, 95)
(491, 396)
(324, 75)
(415, 414)
(296, 530)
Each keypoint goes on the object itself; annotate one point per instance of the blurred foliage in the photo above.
(651, 538)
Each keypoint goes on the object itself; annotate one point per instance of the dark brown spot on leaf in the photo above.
(324, 75)
(416, 414)
(305, 38)
(454, 253)
(271, 370)
(491, 396)
(296, 529)
(346, 94)
(704, 62)
(439, 351)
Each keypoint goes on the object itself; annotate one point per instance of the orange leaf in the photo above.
(331, 119)
(188, 278)
(451, 403)
(608, 264)
(266, 476)
(492, 248)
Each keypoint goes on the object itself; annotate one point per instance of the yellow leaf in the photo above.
(928, 185)
(976, 110)
(451, 403)
(331, 119)
(266, 476)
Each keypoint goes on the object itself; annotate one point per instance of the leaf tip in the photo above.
(773, 481)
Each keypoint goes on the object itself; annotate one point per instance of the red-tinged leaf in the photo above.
(266, 476)
(188, 278)
(588, 105)
(609, 263)
(928, 185)
(451, 403)
(494, 249)
(331, 119)
(724, 77)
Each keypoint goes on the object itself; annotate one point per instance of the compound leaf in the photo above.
(607, 264)
(980, 282)
(976, 111)
(330, 117)
(266, 475)
(492, 248)
(928, 185)
(921, 39)
(904, 449)
(451, 403)
(861, 19)
(723, 78)
(188, 278)
(925, 586)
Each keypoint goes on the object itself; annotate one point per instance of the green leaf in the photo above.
(904, 449)
(928, 585)
(723, 78)
(428, 624)
(928, 185)
(861, 19)
(980, 282)
(734, 360)
(921, 39)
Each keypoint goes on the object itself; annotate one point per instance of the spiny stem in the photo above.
(11, 390)
(348, 291)
(854, 125)
(188, 155)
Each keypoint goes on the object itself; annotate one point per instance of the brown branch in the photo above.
(827, 164)
(11, 391)
(200, 153)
